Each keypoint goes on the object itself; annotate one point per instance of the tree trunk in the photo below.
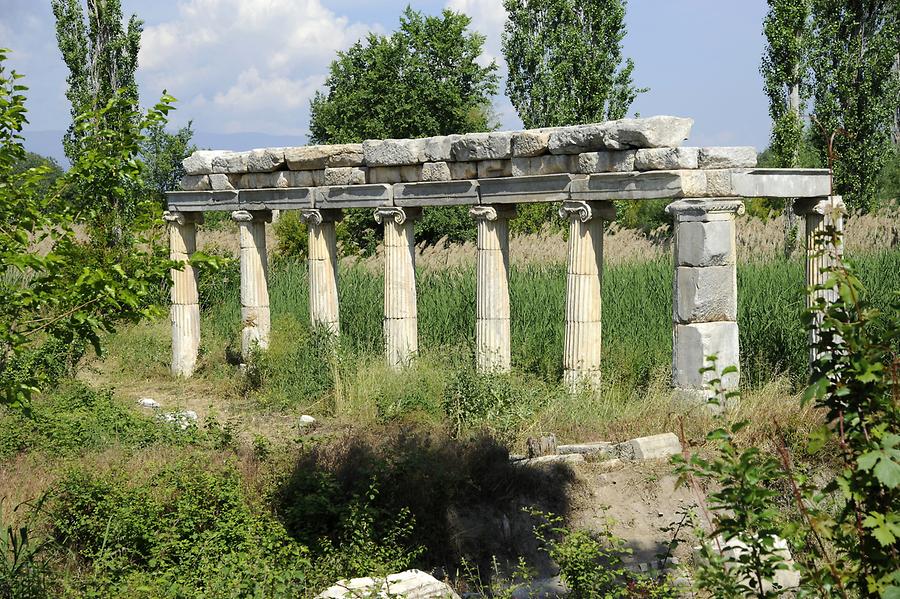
(790, 218)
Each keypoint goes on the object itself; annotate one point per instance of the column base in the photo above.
(694, 344)
(578, 380)
(185, 319)
(255, 332)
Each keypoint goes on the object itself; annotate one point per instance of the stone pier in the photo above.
(255, 317)
(400, 311)
(492, 337)
(704, 293)
(185, 310)
(584, 282)
(323, 267)
(822, 215)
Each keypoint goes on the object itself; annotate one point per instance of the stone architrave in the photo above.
(185, 309)
(824, 248)
(323, 267)
(492, 337)
(584, 282)
(400, 310)
(255, 316)
(705, 293)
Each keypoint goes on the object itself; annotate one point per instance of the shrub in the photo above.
(292, 235)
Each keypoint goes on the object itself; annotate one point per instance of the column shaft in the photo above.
(323, 268)
(822, 216)
(492, 336)
(255, 316)
(584, 283)
(400, 310)
(184, 313)
(704, 307)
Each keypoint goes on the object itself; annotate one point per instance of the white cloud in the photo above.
(244, 65)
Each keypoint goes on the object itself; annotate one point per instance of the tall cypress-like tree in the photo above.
(101, 53)
(854, 49)
(565, 61)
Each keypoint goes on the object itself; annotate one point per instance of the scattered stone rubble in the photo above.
(626, 145)
(546, 451)
(412, 584)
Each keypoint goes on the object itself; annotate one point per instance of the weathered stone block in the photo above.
(522, 190)
(263, 180)
(782, 183)
(694, 343)
(195, 183)
(304, 178)
(319, 157)
(706, 294)
(544, 165)
(661, 159)
(220, 182)
(653, 132)
(230, 162)
(200, 163)
(394, 152)
(530, 143)
(412, 584)
(463, 170)
(728, 157)
(628, 186)
(447, 193)
(650, 448)
(440, 149)
(606, 162)
(705, 243)
(395, 174)
(354, 196)
(435, 171)
(483, 146)
(490, 169)
(345, 175)
(265, 160)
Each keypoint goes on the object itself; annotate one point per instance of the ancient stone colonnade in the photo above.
(583, 168)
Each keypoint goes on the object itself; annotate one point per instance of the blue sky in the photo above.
(251, 66)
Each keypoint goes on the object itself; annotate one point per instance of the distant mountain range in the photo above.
(49, 143)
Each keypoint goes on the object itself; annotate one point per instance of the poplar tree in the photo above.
(854, 50)
(565, 61)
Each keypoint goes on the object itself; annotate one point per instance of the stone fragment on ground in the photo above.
(183, 419)
(649, 448)
(545, 460)
(306, 420)
(412, 584)
(785, 578)
(148, 402)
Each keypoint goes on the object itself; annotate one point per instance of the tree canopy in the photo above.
(565, 61)
(422, 80)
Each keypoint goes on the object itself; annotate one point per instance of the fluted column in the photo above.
(584, 283)
(323, 268)
(184, 312)
(705, 293)
(400, 311)
(255, 317)
(822, 216)
(492, 338)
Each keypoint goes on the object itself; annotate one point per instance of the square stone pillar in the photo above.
(704, 293)
(400, 311)
(255, 316)
(823, 216)
(184, 312)
(584, 283)
(492, 338)
(323, 268)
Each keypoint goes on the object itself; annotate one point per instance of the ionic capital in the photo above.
(316, 216)
(183, 218)
(247, 216)
(585, 211)
(400, 215)
(831, 206)
(693, 209)
(493, 212)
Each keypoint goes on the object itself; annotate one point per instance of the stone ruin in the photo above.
(583, 169)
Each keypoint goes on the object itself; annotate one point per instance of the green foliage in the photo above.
(57, 288)
(565, 61)
(161, 154)
(855, 90)
(292, 235)
(101, 55)
(47, 165)
(472, 400)
(24, 572)
(422, 80)
(450, 223)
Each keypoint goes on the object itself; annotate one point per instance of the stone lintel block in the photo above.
(606, 162)
(628, 186)
(449, 193)
(649, 448)
(230, 163)
(665, 159)
(293, 198)
(544, 165)
(728, 157)
(222, 182)
(200, 162)
(395, 174)
(710, 243)
(715, 183)
(694, 343)
(354, 196)
(653, 132)
(265, 160)
(706, 210)
(195, 183)
(460, 171)
(523, 190)
(490, 169)
(435, 171)
(199, 201)
(483, 146)
(534, 142)
(705, 294)
(345, 175)
(307, 158)
(782, 183)
(394, 152)
(440, 148)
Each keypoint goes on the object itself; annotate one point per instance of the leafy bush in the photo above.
(292, 235)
